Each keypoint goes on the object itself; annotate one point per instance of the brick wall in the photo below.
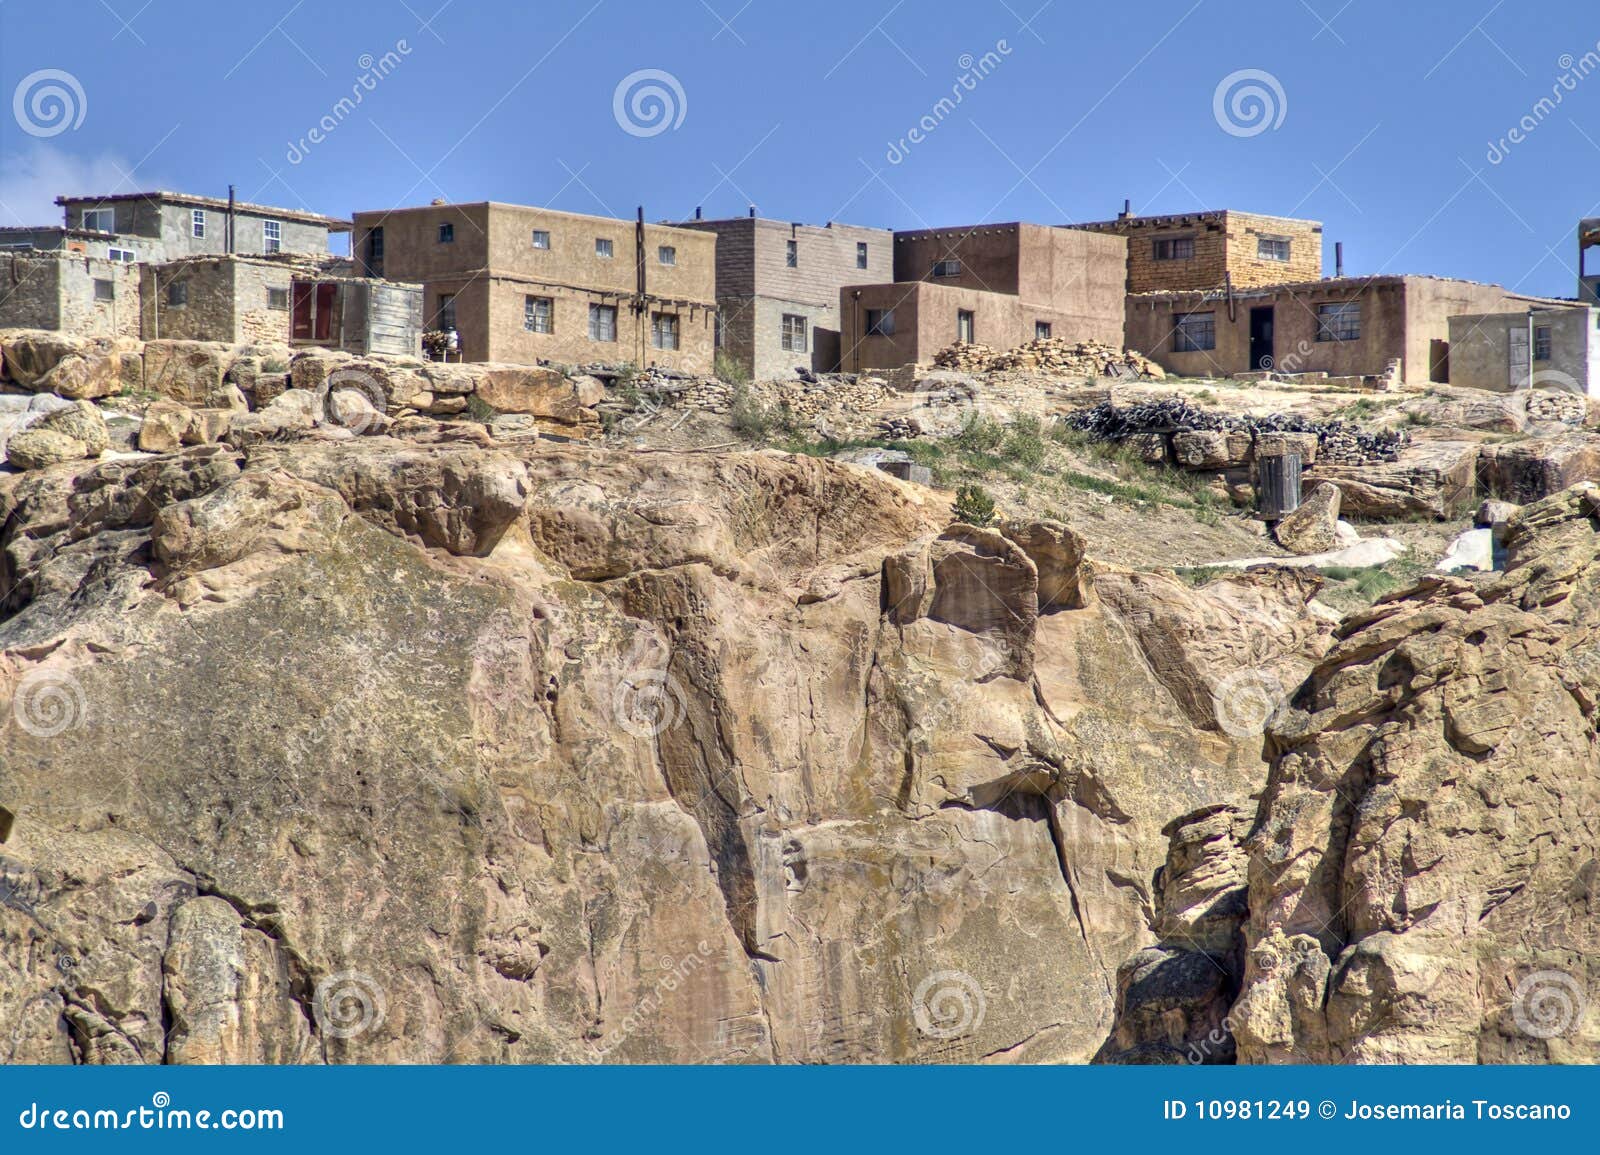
(1224, 242)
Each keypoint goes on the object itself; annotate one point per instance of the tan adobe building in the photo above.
(1395, 326)
(1588, 283)
(1551, 347)
(778, 289)
(1208, 250)
(999, 285)
(522, 284)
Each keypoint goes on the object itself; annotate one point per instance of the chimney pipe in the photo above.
(752, 212)
(1127, 207)
(229, 230)
(1338, 258)
(697, 212)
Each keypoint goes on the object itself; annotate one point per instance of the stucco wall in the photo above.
(1480, 349)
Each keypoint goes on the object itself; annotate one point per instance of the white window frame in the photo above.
(793, 338)
(1267, 249)
(91, 218)
(197, 223)
(667, 254)
(604, 249)
(125, 256)
(272, 236)
(541, 239)
(532, 313)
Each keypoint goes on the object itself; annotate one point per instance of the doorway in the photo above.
(1261, 338)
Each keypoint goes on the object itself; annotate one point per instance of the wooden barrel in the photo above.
(1278, 485)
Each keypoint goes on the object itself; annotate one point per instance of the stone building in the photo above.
(257, 300)
(778, 289)
(999, 285)
(164, 226)
(1588, 283)
(520, 284)
(68, 291)
(1388, 326)
(1207, 250)
(1555, 346)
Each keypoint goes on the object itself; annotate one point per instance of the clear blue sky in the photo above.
(1388, 112)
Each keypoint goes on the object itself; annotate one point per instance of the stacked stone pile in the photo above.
(968, 357)
(1053, 355)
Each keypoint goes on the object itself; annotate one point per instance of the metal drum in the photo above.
(1277, 485)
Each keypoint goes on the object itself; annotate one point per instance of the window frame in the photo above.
(446, 304)
(271, 236)
(197, 223)
(446, 234)
(1172, 248)
(793, 333)
(605, 249)
(1184, 329)
(967, 319)
(861, 254)
(1042, 330)
(1338, 321)
(177, 294)
(121, 256)
(791, 254)
(540, 239)
(949, 267)
(667, 255)
(1543, 342)
(598, 312)
(96, 214)
(664, 327)
(1288, 249)
(105, 289)
(531, 313)
(283, 295)
(882, 326)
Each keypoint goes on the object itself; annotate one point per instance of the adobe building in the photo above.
(257, 300)
(522, 285)
(1588, 283)
(69, 292)
(1555, 346)
(163, 226)
(778, 289)
(1388, 326)
(1208, 250)
(999, 285)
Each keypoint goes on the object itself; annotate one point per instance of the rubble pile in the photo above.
(1337, 442)
(821, 395)
(1053, 355)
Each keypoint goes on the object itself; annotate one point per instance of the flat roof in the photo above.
(688, 224)
(508, 205)
(1164, 219)
(1337, 284)
(188, 200)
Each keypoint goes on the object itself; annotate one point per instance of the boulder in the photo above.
(540, 392)
(189, 371)
(1314, 526)
(1211, 448)
(293, 413)
(1493, 512)
(166, 422)
(82, 376)
(1305, 444)
(1430, 478)
(81, 421)
(30, 355)
(1527, 471)
(351, 409)
(35, 448)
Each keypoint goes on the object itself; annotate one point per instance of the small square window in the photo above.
(1272, 248)
(100, 220)
(126, 256)
(104, 290)
(794, 333)
(861, 254)
(541, 239)
(667, 255)
(197, 223)
(539, 314)
(1542, 342)
(1041, 330)
(1173, 249)
(277, 298)
(791, 254)
(603, 250)
(271, 237)
(447, 233)
(949, 268)
(178, 293)
(880, 322)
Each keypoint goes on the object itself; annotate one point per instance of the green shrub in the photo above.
(1025, 443)
(973, 505)
(725, 368)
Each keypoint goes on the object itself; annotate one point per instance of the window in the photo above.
(271, 237)
(1173, 249)
(541, 239)
(667, 255)
(123, 255)
(178, 293)
(375, 249)
(539, 314)
(1340, 322)
(197, 222)
(1041, 330)
(861, 254)
(794, 333)
(447, 233)
(950, 268)
(791, 254)
(602, 248)
(664, 330)
(880, 322)
(964, 325)
(277, 298)
(104, 290)
(100, 220)
(1194, 332)
(602, 322)
(445, 317)
(1541, 342)
(1272, 248)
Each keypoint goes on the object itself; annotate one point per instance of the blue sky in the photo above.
(1380, 120)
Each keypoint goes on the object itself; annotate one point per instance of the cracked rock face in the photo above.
(397, 751)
